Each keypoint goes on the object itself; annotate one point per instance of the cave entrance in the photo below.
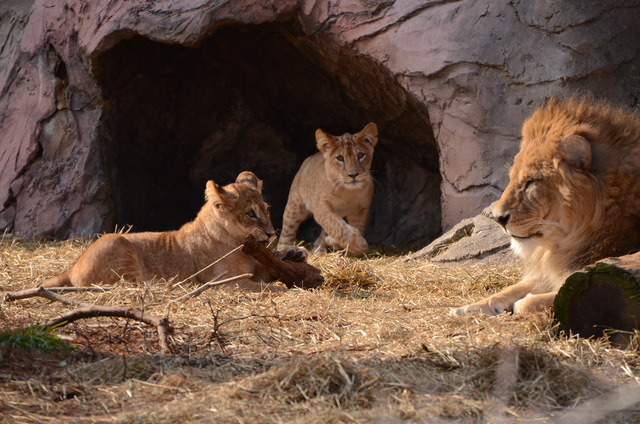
(251, 98)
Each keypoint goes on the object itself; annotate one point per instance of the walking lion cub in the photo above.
(229, 214)
(333, 184)
(573, 198)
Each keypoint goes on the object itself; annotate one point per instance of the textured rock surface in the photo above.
(117, 112)
(471, 240)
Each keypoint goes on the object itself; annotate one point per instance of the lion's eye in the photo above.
(252, 215)
(528, 185)
(340, 158)
(360, 155)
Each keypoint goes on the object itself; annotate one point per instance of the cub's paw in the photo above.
(356, 244)
(320, 245)
(294, 254)
(331, 242)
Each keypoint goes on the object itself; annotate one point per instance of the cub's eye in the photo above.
(529, 185)
(252, 215)
(360, 155)
(340, 158)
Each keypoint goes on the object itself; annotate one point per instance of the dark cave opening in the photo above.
(251, 98)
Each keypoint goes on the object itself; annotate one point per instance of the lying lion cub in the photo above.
(573, 198)
(333, 184)
(229, 214)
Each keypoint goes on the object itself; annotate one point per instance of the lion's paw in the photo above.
(533, 303)
(491, 306)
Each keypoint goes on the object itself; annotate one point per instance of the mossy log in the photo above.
(603, 298)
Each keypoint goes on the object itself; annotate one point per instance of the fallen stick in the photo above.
(207, 267)
(92, 311)
(87, 310)
(292, 274)
(42, 292)
(208, 285)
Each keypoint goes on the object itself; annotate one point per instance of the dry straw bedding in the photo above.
(374, 344)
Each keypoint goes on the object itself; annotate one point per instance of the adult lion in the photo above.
(573, 198)
(229, 214)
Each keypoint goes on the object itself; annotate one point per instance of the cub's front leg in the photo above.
(338, 231)
(514, 298)
(295, 213)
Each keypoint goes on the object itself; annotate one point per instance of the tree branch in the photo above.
(92, 311)
(47, 294)
(87, 310)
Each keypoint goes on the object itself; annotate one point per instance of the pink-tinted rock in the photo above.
(116, 112)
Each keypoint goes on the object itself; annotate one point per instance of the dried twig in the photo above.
(87, 310)
(42, 292)
(92, 311)
(208, 266)
(208, 285)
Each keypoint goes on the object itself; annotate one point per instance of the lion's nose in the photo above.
(501, 219)
(353, 174)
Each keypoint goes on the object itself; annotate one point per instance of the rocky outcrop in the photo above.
(472, 240)
(117, 112)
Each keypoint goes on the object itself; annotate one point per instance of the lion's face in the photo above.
(241, 208)
(529, 208)
(348, 157)
(551, 194)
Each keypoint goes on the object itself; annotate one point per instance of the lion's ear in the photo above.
(370, 133)
(576, 151)
(250, 179)
(215, 194)
(324, 141)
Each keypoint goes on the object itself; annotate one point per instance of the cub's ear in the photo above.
(370, 133)
(576, 151)
(215, 194)
(324, 141)
(250, 179)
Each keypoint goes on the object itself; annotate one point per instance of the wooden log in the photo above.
(603, 298)
(291, 273)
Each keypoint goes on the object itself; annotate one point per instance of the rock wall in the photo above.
(117, 112)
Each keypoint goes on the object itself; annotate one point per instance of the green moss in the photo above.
(36, 338)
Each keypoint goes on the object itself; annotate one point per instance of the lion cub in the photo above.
(333, 184)
(229, 214)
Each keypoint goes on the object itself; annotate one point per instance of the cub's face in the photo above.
(251, 215)
(242, 209)
(348, 157)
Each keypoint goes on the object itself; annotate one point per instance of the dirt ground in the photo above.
(374, 344)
